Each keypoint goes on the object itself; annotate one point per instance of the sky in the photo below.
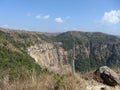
(61, 15)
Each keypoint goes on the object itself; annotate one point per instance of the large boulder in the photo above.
(106, 76)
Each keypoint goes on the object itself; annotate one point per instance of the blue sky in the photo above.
(61, 15)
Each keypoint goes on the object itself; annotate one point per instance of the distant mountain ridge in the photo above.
(92, 49)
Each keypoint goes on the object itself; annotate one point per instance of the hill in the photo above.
(93, 49)
(35, 60)
(14, 59)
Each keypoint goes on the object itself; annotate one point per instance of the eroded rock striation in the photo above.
(48, 55)
(92, 49)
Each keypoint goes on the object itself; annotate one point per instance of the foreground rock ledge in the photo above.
(107, 76)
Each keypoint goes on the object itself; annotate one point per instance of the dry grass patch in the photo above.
(57, 82)
(42, 82)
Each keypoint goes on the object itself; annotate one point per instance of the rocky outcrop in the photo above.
(92, 50)
(48, 55)
(107, 76)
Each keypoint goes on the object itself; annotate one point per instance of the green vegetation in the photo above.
(14, 60)
(92, 49)
(16, 65)
(45, 38)
(82, 65)
(66, 39)
(58, 81)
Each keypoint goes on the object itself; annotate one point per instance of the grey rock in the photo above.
(107, 76)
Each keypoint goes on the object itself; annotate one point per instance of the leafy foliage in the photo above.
(82, 65)
(14, 61)
(92, 49)
(66, 40)
(58, 81)
(16, 64)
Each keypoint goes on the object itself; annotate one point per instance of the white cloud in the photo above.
(59, 20)
(46, 17)
(112, 17)
(38, 16)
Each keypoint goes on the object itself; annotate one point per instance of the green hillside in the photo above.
(92, 49)
(14, 60)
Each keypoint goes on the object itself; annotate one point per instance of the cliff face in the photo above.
(54, 52)
(39, 46)
(92, 50)
(48, 55)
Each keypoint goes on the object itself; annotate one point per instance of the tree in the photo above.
(73, 59)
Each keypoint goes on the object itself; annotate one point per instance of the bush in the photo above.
(58, 81)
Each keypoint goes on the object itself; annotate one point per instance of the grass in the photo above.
(63, 80)
(43, 82)
(53, 81)
(18, 71)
